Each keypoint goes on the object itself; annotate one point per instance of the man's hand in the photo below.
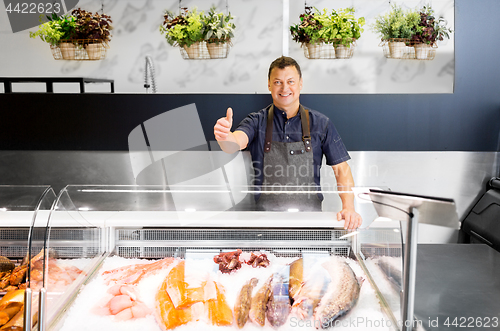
(352, 220)
(222, 128)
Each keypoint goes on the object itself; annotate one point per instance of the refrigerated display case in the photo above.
(191, 250)
(24, 212)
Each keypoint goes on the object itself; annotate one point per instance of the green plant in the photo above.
(314, 27)
(338, 27)
(218, 27)
(92, 26)
(429, 30)
(348, 27)
(184, 29)
(55, 29)
(397, 23)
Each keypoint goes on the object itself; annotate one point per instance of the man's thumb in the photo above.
(229, 114)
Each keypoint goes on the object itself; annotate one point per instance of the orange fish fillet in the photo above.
(166, 315)
(219, 311)
(180, 293)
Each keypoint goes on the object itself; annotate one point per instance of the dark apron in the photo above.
(288, 167)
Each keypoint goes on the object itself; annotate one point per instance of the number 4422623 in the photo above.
(472, 322)
(34, 8)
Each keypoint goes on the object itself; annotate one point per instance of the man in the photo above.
(287, 143)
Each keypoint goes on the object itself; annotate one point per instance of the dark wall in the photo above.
(467, 120)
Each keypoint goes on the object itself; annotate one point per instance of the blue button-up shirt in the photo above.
(324, 138)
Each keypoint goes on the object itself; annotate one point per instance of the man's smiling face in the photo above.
(285, 86)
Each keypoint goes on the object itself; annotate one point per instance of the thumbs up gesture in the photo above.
(223, 126)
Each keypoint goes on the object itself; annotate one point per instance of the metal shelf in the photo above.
(49, 82)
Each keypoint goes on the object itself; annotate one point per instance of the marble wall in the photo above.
(258, 40)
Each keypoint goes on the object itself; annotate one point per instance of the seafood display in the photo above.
(308, 296)
(232, 261)
(341, 295)
(243, 302)
(219, 312)
(278, 306)
(11, 310)
(11, 277)
(258, 260)
(296, 277)
(229, 261)
(123, 302)
(191, 294)
(258, 306)
(14, 280)
(167, 316)
(133, 274)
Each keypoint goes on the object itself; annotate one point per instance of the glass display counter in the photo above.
(24, 212)
(193, 257)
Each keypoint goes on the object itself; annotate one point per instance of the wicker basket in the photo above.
(206, 50)
(80, 50)
(323, 50)
(398, 48)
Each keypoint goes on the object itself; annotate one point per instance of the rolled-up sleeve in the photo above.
(249, 126)
(333, 146)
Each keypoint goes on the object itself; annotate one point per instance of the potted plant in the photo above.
(428, 32)
(348, 31)
(218, 33)
(58, 31)
(185, 30)
(396, 28)
(314, 30)
(94, 30)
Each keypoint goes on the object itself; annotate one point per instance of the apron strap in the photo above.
(306, 132)
(269, 130)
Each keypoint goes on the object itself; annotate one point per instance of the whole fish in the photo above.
(341, 295)
(258, 306)
(243, 302)
(296, 277)
(278, 306)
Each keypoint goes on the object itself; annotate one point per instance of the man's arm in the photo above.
(345, 182)
(229, 142)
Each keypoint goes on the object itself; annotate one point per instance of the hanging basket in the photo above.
(206, 50)
(80, 50)
(399, 48)
(330, 51)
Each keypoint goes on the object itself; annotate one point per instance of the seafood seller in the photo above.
(287, 142)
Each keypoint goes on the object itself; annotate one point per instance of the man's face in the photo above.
(285, 85)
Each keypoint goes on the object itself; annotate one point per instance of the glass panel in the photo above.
(23, 217)
(74, 248)
(381, 254)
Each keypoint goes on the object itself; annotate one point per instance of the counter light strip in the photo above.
(206, 191)
(279, 192)
(155, 191)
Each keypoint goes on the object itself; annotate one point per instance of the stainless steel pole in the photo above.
(27, 310)
(42, 313)
(409, 268)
